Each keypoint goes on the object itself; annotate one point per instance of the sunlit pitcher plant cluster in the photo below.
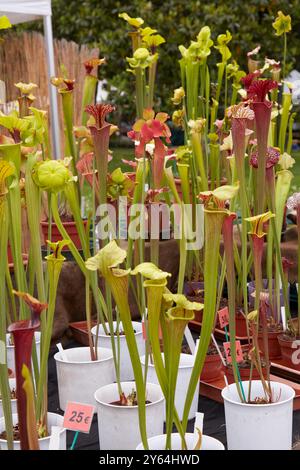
(234, 172)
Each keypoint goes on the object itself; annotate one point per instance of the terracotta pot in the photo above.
(244, 373)
(189, 288)
(240, 325)
(10, 258)
(274, 348)
(212, 369)
(198, 315)
(290, 350)
(79, 331)
(71, 229)
(251, 290)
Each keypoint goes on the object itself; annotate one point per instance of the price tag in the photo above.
(238, 351)
(78, 417)
(223, 315)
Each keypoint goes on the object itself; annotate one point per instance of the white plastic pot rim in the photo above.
(41, 439)
(58, 358)
(226, 391)
(134, 407)
(12, 384)
(103, 335)
(37, 335)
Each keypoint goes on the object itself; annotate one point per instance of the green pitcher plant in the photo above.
(107, 261)
(7, 170)
(214, 215)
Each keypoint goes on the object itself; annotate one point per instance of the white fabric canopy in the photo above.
(22, 11)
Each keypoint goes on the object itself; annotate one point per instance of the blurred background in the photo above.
(95, 23)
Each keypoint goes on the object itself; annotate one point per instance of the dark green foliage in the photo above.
(96, 22)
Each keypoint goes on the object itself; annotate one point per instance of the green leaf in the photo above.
(150, 271)
(108, 257)
(136, 22)
(181, 301)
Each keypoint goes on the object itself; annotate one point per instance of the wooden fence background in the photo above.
(23, 59)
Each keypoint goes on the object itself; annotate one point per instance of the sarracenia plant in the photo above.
(227, 231)
(25, 99)
(174, 321)
(12, 154)
(151, 131)
(283, 182)
(33, 210)
(241, 116)
(214, 215)
(100, 131)
(160, 313)
(90, 85)
(152, 128)
(54, 176)
(202, 99)
(30, 134)
(282, 26)
(23, 334)
(271, 160)
(262, 108)
(6, 171)
(65, 88)
(31, 421)
(54, 265)
(257, 233)
(107, 261)
(145, 43)
(195, 74)
(196, 131)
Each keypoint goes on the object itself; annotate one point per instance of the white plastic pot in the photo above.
(104, 341)
(10, 350)
(259, 427)
(186, 365)
(53, 420)
(118, 426)
(79, 378)
(159, 442)
(12, 385)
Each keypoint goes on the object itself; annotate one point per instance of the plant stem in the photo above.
(4, 382)
(229, 257)
(198, 152)
(152, 76)
(284, 55)
(92, 276)
(118, 289)
(213, 227)
(286, 104)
